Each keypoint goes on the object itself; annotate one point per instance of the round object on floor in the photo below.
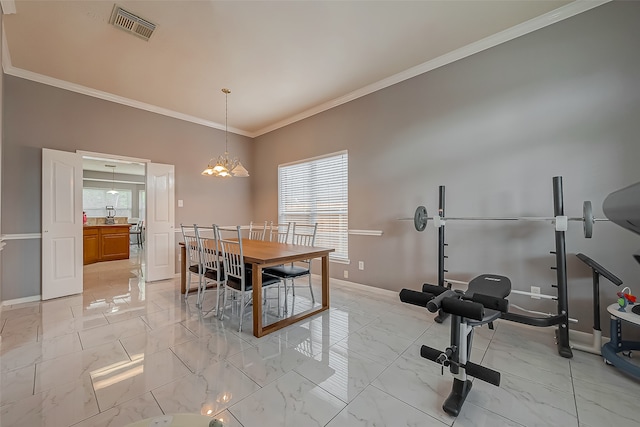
(178, 420)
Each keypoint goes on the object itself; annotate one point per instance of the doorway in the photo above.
(114, 193)
(62, 246)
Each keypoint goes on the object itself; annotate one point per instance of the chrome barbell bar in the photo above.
(421, 218)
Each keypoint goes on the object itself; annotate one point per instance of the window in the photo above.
(96, 200)
(316, 190)
(142, 204)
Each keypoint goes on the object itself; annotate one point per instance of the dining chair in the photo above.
(211, 273)
(136, 230)
(193, 257)
(256, 232)
(279, 232)
(304, 235)
(238, 279)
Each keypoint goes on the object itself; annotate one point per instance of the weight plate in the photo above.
(420, 218)
(587, 219)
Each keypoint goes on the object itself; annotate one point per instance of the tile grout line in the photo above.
(573, 389)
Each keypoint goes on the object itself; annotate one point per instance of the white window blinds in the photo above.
(96, 200)
(316, 190)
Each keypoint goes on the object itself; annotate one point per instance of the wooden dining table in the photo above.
(261, 254)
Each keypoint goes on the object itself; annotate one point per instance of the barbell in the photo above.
(421, 218)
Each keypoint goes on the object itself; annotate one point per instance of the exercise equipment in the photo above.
(482, 303)
(561, 319)
(611, 350)
(623, 208)
(421, 218)
(597, 271)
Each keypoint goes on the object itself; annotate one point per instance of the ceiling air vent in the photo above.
(131, 23)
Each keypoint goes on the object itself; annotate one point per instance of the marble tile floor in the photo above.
(125, 350)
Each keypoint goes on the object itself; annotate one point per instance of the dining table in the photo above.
(263, 254)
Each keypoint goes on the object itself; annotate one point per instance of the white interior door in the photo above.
(61, 223)
(159, 233)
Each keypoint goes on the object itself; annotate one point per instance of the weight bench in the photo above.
(483, 302)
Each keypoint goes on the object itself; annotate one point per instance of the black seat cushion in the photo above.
(267, 280)
(212, 274)
(492, 285)
(489, 316)
(194, 268)
(287, 271)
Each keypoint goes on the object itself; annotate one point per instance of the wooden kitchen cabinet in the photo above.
(91, 245)
(105, 243)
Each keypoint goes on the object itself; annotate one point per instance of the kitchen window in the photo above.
(96, 200)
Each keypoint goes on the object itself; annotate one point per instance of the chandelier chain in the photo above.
(224, 166)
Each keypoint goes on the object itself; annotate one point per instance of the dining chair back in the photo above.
(136, 231)
(237, 278)
(303, 235)
(257, 232)
(233, 257)
(211, 273)
(193, 257)
(279, 232)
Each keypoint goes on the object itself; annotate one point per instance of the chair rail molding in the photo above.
(377, 233)
(21, 236)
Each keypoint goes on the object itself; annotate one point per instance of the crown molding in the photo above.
(29, 75)
(8, 7)
(562, 13)
(9, 69)
(6, 56)
(574, 8)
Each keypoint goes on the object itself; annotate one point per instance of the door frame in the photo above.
(103, 156)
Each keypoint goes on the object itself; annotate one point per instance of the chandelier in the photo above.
(224, 166)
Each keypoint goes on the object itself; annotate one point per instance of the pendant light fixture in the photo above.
(113, 179)
(223, 166)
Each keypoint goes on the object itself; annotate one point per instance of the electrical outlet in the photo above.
(535, 290)
(360, 265)
(346, 274)
(179, 257)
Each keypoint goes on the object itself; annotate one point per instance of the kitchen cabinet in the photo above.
(91, 245)
(105, 243)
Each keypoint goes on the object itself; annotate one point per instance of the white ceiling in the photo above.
(282, 60)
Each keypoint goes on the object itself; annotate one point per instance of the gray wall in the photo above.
(37, 116)
(493, 128)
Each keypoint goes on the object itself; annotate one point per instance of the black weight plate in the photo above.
(420, 218)
(587, 219)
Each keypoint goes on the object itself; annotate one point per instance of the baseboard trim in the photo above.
(367, 288)
(585, 338)
(20, 300)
